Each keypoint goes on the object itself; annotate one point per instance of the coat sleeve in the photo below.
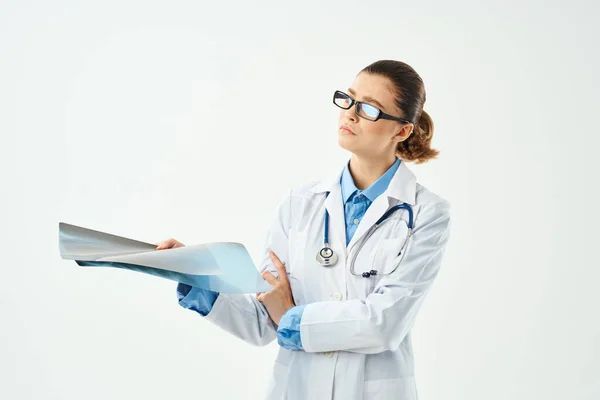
(243, 315)
(382, 321)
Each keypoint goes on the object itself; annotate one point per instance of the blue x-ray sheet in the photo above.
(224, 267)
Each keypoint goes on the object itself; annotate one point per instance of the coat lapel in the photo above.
(335, 207)
(337, 225)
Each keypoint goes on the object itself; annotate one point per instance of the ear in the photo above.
(403, 133)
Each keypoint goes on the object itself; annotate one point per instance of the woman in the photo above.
(344, 329)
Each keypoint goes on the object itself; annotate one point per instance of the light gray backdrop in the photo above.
(190, 120)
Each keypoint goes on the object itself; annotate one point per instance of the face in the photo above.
(372, 139)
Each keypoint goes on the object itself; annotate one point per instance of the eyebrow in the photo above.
(368, 99)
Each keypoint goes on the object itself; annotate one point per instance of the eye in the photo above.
(368, 111)
(342, 100)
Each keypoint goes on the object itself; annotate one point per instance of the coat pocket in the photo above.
(397, 388)
(297, 244)
(385, 257)
(388, 249)
(278, 381)
(295, 267)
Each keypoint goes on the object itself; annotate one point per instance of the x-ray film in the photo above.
(224, 267)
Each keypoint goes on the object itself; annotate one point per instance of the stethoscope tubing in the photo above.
(332, 259)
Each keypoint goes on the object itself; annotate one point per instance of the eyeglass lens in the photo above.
(366, 111)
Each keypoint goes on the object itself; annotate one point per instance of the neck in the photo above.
(366, 171)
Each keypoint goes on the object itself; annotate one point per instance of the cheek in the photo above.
(370, 132)
(374, 136)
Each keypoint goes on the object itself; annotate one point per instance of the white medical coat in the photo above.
(355, 331)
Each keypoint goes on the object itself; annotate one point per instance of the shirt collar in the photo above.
(372, 192)
(402, 187)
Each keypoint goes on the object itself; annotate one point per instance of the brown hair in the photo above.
(410, 98)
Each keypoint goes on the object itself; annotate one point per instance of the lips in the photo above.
(347, 129)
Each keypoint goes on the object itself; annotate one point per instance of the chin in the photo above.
(345, 143)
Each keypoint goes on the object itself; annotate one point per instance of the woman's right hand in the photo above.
(169, 244)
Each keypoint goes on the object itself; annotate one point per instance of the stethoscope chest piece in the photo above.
(326, 257)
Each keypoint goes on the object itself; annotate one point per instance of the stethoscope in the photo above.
(327, 257)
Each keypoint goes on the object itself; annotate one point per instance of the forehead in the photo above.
(377, 87)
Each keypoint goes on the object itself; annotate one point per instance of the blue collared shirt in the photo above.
(356, 203)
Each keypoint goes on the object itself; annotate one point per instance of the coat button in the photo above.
(329, 354)
(337, 296)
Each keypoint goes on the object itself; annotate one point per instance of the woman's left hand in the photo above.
(280, 299)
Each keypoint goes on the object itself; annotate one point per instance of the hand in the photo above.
(169, 244)
(280, 299)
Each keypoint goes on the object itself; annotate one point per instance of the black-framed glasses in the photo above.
(363, 110)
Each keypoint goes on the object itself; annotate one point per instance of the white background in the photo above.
(191, 119)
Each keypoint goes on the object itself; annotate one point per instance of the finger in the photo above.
(270, 278)
(165, 244)
(281, 271)
(169, 244)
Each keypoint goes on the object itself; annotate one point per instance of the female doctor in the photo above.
(349, 270)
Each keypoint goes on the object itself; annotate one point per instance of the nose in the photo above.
(350, 113)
